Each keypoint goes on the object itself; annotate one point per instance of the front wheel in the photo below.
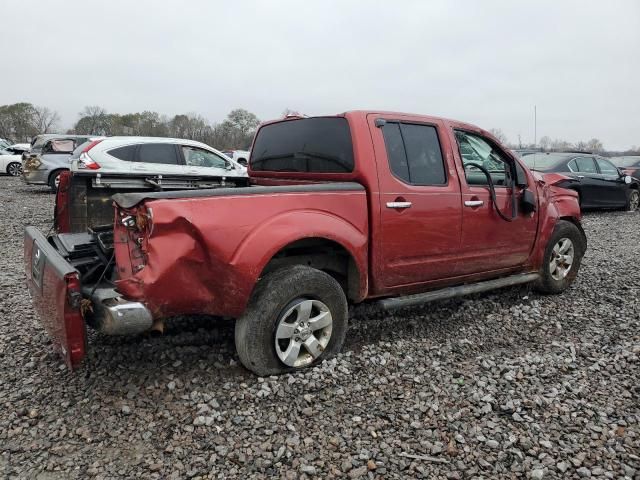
(562, 258)
(634, 200)
(297, 317)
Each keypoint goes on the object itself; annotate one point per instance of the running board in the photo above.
(451, 292)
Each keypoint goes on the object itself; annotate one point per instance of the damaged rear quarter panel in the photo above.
(204, 255)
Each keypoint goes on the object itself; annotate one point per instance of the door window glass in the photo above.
(586, 165)
(164, 153)
(475, 150)
(414, 153)
(198, 157)
(606, 167)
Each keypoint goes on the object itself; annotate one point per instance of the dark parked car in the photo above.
(629, 164)
(599, 183)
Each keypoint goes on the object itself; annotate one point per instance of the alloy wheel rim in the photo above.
(303, 332)
(634, 201)
(562, 257)
(15, 169)
(56, 181)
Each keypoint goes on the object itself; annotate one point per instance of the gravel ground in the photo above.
(506, 385)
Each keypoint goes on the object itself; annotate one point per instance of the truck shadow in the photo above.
(204, 346)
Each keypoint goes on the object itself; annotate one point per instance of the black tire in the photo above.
(634, 200)
(255, 331)
(563, 230)
(14, 169)
(52, 179)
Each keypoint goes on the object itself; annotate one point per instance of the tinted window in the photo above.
(475, 150)
(414, 153)
(124, 153)
(321, 145)
(197, 157)
(164, 153)
(586, 165)
(606, 167)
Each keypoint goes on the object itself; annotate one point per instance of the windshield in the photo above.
(318, 145)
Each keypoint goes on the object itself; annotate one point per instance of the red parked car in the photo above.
(399, 208)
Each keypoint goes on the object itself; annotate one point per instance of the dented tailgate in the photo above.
(54, 286)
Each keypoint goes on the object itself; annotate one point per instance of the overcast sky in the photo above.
(485, 62)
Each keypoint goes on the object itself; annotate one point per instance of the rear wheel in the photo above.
(562, 258)
(634, 200)
(297, 317)
(54, 180)
(14, 169)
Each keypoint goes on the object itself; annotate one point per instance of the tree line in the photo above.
(22, 121)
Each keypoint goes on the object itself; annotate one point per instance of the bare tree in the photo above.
(94, 120)
(45, 119)
(559, 144)
(544, 143)
(500, 135)
(595, 145)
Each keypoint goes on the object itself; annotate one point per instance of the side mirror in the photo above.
(528, 202)
(627, 179)
(521, 176)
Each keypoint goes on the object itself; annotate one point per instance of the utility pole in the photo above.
(535, 126)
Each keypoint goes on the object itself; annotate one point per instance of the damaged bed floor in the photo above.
(505, 385)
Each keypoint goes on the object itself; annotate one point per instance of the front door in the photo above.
(420, 207)
(614, 190)
(490, 242)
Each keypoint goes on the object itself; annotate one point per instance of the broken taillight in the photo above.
(85, 161)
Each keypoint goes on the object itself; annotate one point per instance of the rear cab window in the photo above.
(306, 145)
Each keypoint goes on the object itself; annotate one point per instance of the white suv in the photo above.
(154, 156)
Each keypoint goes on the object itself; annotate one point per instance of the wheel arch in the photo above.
(330, 243)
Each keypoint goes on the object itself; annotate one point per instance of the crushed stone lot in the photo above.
(506, 385)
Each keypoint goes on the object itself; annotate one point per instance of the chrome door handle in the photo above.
(398, 204)
(473, 203)
(580, 176)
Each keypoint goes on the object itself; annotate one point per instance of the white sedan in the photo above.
(10, 163)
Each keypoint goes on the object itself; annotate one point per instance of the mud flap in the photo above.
(54, 286)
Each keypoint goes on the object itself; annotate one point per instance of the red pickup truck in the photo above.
(404, 209)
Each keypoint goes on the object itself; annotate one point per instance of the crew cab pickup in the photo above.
(392, 208)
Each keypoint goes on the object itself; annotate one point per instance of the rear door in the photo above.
(419, 200)
(158, 159)
(54, 287)
(488, 241)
